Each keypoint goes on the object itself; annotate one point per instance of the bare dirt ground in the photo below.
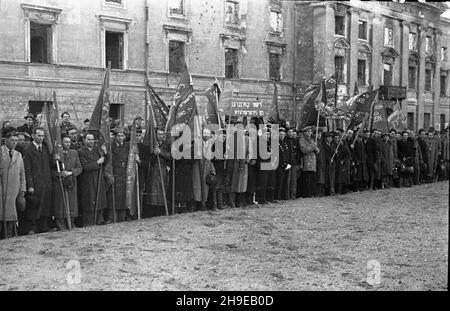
(307, 244)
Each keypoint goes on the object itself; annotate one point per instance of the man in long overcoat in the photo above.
(37, 161)
(119, 151)
(327, 173)
(359, 156)
(70, 168)
(282, 187)
(12, 176)
(92, 159)
(237, 168)
(387, 161)
(158, 174)
(309, 151)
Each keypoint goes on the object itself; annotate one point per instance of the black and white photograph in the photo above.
(224, 150)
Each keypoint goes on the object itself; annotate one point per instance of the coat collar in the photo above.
(5, 155)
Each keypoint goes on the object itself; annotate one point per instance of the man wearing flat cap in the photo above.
(12, 175)
(28, 126)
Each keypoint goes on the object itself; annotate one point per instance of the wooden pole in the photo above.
(317, 125)
(163, 187)
(74, 111)
(113, 191)
(66, 196)
(4, 193)
(138, 192)
(98, 193)
(63, 193)
(335, 150)
(173, 186)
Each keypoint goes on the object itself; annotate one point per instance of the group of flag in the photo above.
(360, 110)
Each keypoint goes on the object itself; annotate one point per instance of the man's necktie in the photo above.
(40, 148)
(10, 154)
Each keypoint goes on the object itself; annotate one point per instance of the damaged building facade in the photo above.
(64, 46)
(400, 48)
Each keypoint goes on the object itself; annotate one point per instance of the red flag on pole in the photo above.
(157, 117)
(212, 108)
(184, 109)
(99, 121)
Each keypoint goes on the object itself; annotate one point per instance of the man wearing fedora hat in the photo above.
(12, 175)
(28, 126)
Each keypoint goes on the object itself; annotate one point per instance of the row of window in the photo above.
(41, 37)
(426, 121)
(363, 75)
(388, 36)
(429, 75)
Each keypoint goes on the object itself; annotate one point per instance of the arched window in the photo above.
(413, 66)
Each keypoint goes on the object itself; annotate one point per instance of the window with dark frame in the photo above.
(426, 120)
(442, 121)
(274, 66)
(443, 85)
(428, 76)
(114, 49)
(362, 30)
(231, 63)
(410, 120)
(176, 56)
(412, 70)
(116, 111)
(35, 107)
(40, 43)
(339, 25)
(387, 74)
(339, 68)
(443, 53)
(362, 72)
(232, 12)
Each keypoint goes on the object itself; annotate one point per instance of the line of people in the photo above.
(333, 163)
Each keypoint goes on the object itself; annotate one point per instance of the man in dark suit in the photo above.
(92, 159)
(39, 183)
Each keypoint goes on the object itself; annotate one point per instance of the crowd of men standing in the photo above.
(44, 192)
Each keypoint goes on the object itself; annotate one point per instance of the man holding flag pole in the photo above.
(68, 167)
(183, 117)
(156, 144)
(95, 160)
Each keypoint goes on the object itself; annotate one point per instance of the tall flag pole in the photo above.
(150, 139)
(183, 111)
(55, 136)
(324, 101)
(99, 123)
